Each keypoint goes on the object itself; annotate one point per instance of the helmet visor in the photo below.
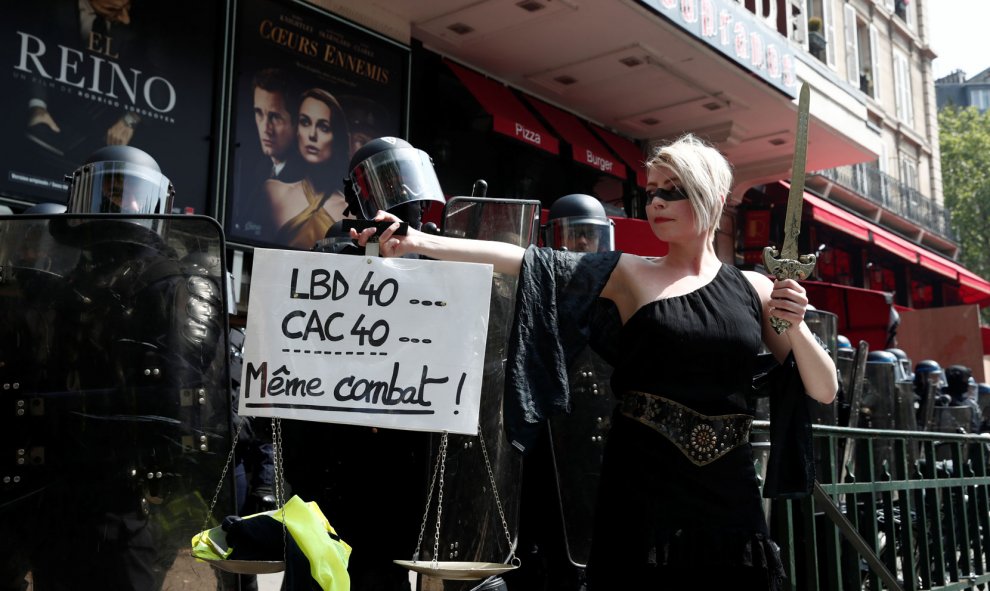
(580, 234)
(393, 177)
(119, 187)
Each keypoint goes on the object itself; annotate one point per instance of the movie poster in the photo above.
(82, 74)
(309, 90)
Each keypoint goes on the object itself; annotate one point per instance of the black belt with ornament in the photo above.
(702, 438)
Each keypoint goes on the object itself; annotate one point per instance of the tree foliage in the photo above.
(964, 140)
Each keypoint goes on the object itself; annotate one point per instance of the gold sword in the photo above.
(790, 265)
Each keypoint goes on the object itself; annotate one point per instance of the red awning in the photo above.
(585, 147)
(939, 265)
(835, 217)
(627, 150)
(973, 289)
(863, 314)
(510, 116)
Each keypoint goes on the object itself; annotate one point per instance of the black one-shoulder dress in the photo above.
(679, 505)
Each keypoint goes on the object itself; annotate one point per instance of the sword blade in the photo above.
(795, 199)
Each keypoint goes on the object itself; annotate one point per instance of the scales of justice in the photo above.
(471, 482)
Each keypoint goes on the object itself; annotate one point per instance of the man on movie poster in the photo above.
(89, 73)
(337, 86)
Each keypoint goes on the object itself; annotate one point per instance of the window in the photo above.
(821, 31)
(852, 45)
(902, 88)
(861, 53)
(909, 171)
(980, 98)
(900, 9)
(871, 64)
(883, 165)
(903, 9)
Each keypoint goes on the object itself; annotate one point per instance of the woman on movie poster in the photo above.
(310, 93)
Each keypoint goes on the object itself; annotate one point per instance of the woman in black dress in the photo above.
(679, 504)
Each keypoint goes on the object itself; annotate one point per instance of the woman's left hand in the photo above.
(788, 301)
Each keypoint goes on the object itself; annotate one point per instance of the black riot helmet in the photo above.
(119, 180)
(578, 223)
(904, 363)
(957, 380)
(386, 173)
(881, 357)
(928, 371)
(927, 366)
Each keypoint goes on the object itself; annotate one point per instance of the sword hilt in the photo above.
(787, 269)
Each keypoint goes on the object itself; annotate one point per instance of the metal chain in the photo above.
(280, 483)
(223, 474)
(443, 462)
(426, 512)
(498, 501)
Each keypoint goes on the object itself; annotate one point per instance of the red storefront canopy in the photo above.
(585, 147)
(509, 116)
(629, 151)
(973, 289)
(863, 314)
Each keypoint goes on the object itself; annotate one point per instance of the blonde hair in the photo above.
(705, 174)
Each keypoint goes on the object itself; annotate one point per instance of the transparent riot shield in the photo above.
(578, 445)
(951, 419)
(824, 325)
(878, 411)
(482, 475)
(115, 395)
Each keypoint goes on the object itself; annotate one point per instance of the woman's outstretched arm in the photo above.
(505, 257)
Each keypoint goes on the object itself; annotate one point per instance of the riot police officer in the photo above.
(928, 380)
(961, 389)
(578, 223)
(385, 173)
(133, 332)
(903, 364)
(366, 506)
(561, 471)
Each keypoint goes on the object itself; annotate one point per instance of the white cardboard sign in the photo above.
(395, 343)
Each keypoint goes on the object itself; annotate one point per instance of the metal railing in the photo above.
(886, 191)
(910, 510)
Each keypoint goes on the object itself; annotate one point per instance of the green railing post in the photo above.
(920, 524)
(907, 544)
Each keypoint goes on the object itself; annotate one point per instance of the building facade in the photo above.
(955, 89)
(542, 98)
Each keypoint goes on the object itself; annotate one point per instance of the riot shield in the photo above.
(578, 445)
(878, 410)
(116, 421)
(482, 475)
(824, 325)
(951, 419)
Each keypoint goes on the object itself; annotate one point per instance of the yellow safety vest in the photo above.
(309, 528)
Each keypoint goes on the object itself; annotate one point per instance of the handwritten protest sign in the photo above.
(397, 343)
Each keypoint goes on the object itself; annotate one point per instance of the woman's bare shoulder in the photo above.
(760, 282)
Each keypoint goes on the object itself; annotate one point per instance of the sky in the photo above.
(959, 36)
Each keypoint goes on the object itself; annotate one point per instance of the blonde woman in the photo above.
(679, 503)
